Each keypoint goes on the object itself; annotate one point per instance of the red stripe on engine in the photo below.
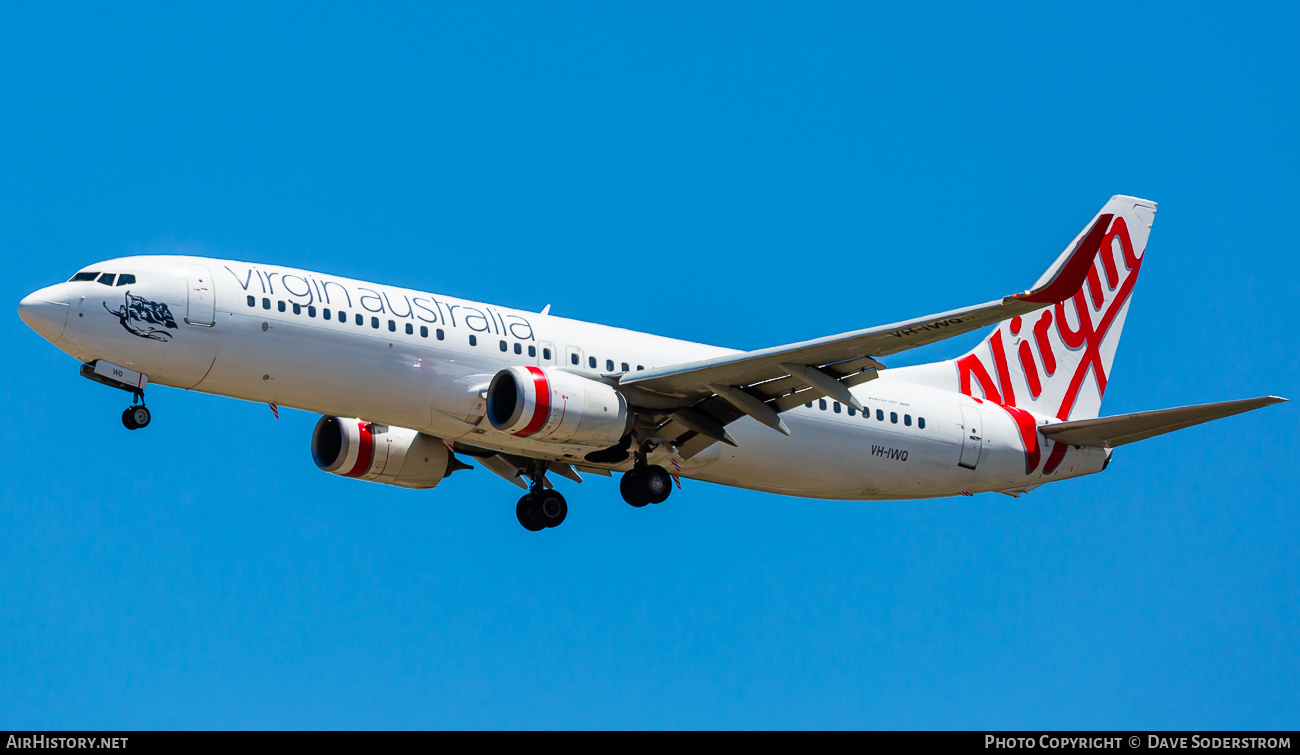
(542, 387)
(366, 453)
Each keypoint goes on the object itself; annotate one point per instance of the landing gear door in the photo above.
(202, 298)
(971, 437)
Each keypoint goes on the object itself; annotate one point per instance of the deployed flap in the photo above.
(1109, 432)
(503, 469)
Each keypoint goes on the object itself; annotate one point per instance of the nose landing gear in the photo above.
(136, 415)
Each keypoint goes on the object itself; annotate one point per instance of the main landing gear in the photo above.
(645, 483)
(136, 415)
(541, 507)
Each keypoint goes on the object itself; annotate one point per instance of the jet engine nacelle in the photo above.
(546, 404)
(381, 453)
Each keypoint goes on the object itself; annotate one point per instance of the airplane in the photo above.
(412, 386)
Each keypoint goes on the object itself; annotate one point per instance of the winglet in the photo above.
(1067, 275)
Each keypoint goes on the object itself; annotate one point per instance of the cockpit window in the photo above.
(123, 279)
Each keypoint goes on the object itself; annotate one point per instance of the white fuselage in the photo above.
(412, 359)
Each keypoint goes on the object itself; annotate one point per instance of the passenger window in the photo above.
(108, 278)
(532, 351)
(279, 305)
(591, 362)
(920, 422)
(473, 340)
(809, 404)
(821, 403)
(125, 279)
(424, 331)
(519, 349)
(343, 316)
(609, 365)
(440, 334)
(311, 311)
(893, 417)
(392, 326)
(327, 314)
(573, 358)
(297, 308)
(880, 415)
(504, 346)
(266, 303)
(360, 320)
(852, 412)
(252, 301)
(836, 407)
(639, 368)
(907, 420)
(84, 277)
(546, 354)
(374, 323)
(410, 329)
(624, 366)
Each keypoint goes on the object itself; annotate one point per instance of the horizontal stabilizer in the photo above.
(1109, 432)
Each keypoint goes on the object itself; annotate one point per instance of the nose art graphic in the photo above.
(138, 314)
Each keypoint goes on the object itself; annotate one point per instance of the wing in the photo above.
(695, 401)
(1109, 432)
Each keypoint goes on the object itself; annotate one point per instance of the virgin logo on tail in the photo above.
(1042, 361)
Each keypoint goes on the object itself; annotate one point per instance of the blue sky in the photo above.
(744, 175)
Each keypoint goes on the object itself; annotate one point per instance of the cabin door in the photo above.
(971, 439)
(202, 300)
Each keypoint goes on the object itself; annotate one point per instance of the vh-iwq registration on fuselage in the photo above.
(414, 386)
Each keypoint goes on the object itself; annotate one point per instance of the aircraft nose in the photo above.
(46, 312)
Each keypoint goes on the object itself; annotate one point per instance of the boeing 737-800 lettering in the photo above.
(414, 386)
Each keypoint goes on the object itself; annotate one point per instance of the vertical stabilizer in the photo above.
(1056, 361)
